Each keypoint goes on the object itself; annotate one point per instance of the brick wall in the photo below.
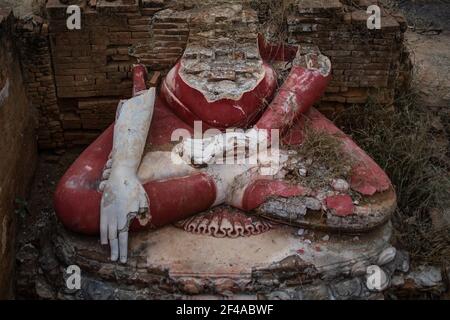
(169, 32)
(17, 147)
(365, 62)
(91, 67)
(38, 74)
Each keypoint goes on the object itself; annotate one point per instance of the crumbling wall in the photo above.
(34, 46)
(17, 147)
(366, 63)
(91, 67)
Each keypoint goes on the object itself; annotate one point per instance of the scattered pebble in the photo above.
(313, 204)
(426, 276)
(359, 268)
(340, 185)
(356, 238)
(301, 232)
(308, 241)
(302, 172)
(398, 281)
(388, 255)
(326, 238)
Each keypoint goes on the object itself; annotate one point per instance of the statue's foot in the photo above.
(334, 213)
(346, 190)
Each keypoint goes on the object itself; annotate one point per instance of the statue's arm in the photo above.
(124, 197)
(131, 131)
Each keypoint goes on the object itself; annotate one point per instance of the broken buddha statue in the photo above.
(140, 175)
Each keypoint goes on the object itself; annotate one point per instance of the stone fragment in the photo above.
(349, 289)
(387, 256)
(402, 261)
(359, 268)
(313, 204)
(44, 290)
(340, 185)
(97, 290)
(398, 280)
(302, 172)
(426, 277)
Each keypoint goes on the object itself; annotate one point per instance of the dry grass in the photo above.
(324, 159)
(274, 14)
(402, 141)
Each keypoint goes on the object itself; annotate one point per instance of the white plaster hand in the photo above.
(124, 199)
(210, 150)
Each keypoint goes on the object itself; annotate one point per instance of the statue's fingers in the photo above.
(109, 219)
(109, 164)
(114, 243)
(103, 229)
(106, 174)
(103, 223)
(123, 246)
(102, 185)
(112, 228)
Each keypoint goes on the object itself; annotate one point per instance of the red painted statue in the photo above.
(139, 175)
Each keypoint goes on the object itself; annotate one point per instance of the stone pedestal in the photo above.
(172, 263)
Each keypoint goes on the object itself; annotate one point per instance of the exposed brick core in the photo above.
(222, 59)
(76, 77)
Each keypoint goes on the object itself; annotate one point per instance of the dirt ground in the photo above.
(428, 38)
(38, 210)
(432, 63)
(426, 14)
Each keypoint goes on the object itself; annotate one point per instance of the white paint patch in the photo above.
(4, 93)
(78, 181)
(72, 184)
